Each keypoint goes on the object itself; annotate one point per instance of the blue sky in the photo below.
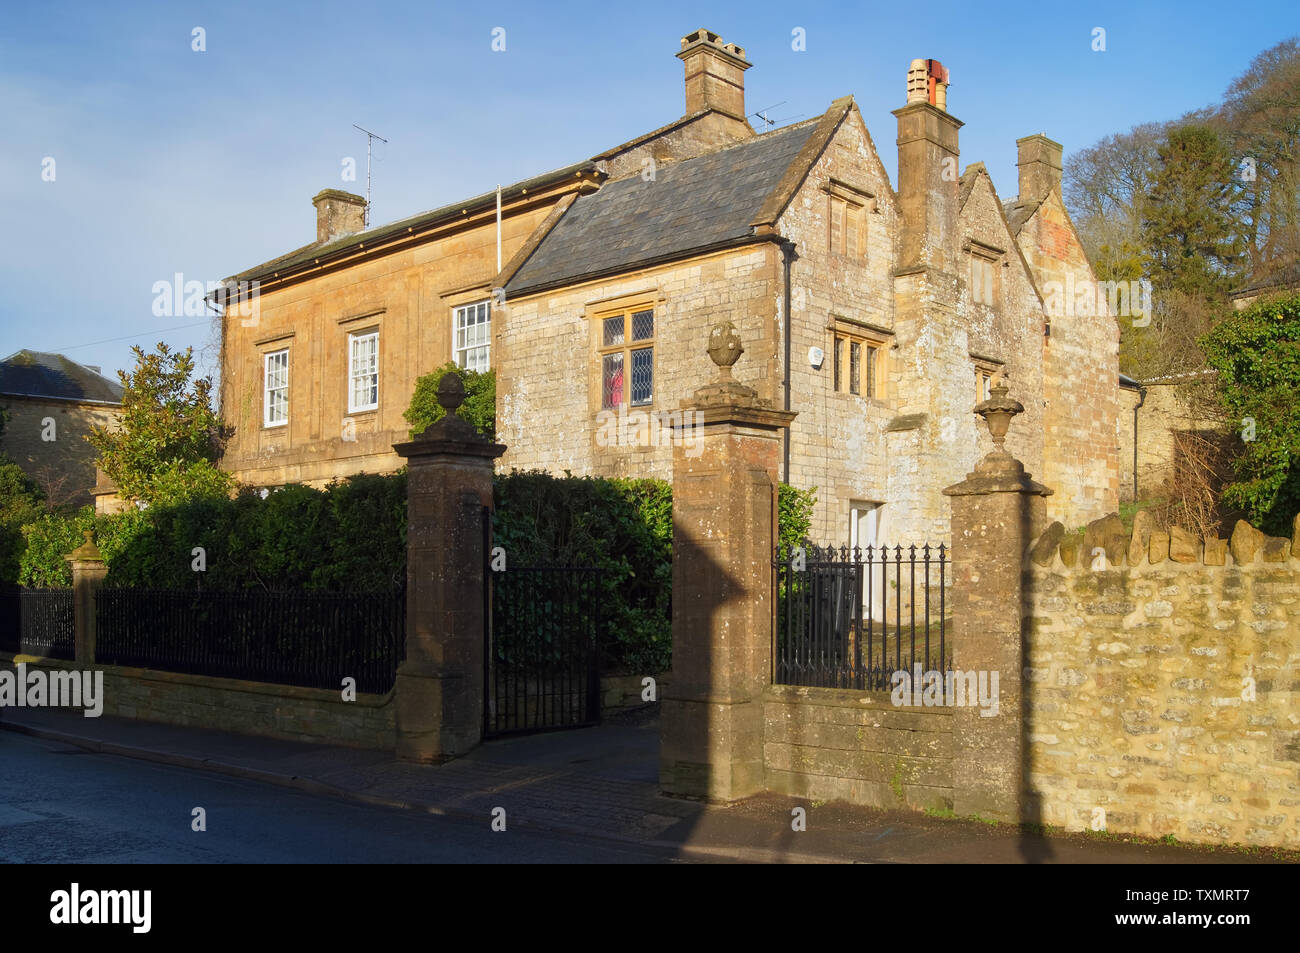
(169, 160)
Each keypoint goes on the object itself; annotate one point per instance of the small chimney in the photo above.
(715, 74)
(338, 213)
(1040, 166)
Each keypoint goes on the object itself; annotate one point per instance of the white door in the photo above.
(865, 521)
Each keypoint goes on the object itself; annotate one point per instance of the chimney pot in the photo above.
(338, 213)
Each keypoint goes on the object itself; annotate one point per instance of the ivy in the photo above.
(1256, 352)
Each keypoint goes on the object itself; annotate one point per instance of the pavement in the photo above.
(601, 783)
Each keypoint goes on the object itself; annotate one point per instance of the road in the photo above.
(61, 804)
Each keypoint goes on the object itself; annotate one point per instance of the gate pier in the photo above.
(439, 692)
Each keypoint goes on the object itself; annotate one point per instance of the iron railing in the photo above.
(310, 639)
(37, 622)
(543, 649)
(850, 618)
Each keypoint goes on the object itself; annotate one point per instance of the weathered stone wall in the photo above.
(548, 371)
(1170, 408)
(1163, 691)
(226, 704)
(837, 443)
(829, 744)
(681, 140)
(1128, 398)
(64, 466)
(1010, 332)
(1080, 373)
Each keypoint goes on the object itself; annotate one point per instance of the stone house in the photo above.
(880, 313)
(53, 403)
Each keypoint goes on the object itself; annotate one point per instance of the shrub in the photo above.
(1257, 354)
(480, 405)
(21, 501)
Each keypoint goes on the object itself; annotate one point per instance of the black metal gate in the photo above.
(542, 651)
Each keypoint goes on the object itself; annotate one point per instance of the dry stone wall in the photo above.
(1162, 679)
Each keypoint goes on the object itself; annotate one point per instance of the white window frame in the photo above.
(353, 340)
(458, 353)
(267, 389)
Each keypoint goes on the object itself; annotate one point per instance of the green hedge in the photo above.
(351, 536)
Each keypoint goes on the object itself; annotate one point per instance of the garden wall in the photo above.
(830, 743)
(1164, 689)
(288, 712)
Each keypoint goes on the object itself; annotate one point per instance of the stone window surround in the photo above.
(595, 313)
(267, 356)
(267, 346)
(459, 297)
(987, 370)
(881, 340)
(982, 252)
(457, 352)
(355, 334)
(855, 204)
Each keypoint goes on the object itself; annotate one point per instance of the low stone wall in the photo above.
(829, 744)
(1164, 688)
(625, 692)
(255, 708)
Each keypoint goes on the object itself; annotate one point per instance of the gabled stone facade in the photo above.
(922, 293)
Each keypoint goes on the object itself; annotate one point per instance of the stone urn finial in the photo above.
(997, 412)
(451, 392)
(725, 347)
(87, 550)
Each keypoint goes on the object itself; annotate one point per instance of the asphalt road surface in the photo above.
(61, 804)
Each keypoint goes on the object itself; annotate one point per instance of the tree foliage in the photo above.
(169, 437)
(1200, 204)
(1260, 118)
(480, 405)
(1191, 216)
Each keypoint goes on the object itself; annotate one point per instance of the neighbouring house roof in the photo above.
(690, 206)
(1181, 378)
(36, 374)
(308, 254)
(1282, 280)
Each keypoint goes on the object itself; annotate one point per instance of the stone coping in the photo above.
(845, 698)
(1146, 545)
(363, 700)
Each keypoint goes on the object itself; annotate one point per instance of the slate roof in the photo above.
(309, 253)
(704, 202)
(1285, 280)
(1018, 212)
(35, 374)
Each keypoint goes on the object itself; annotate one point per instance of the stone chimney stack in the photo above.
(715, 74)
(1039, 163)
(927, 170)
(338, 213)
